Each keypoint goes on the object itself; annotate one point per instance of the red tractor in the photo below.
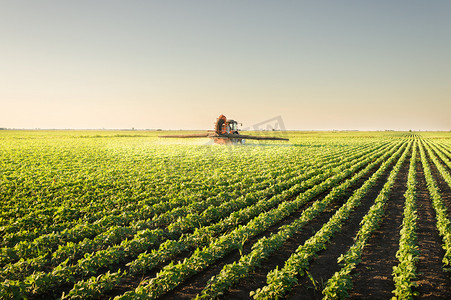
(227, 127)
(226, 132)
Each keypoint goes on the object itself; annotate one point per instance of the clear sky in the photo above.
(179, 64)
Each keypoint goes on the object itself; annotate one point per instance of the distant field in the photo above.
(127, 215)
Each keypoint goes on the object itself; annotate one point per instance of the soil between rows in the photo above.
(125, 284)
(445, 153)
(443, 186)
(191, 287)
(433, 282)
(183, 290)
(194, 285)
(448, 168)
(132, 282)
(374, 279)
(325, 265)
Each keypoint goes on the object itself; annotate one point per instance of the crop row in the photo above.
(441, 214)
(78, 174)
(339, 285)
(443, 172)
(264, 247)
(201, 236)
(143, 210)
(408, 253)
(404, 274)
(109, 226)
(57, 218)
(100, 259)
(174, 274)
(118, 233)
(279, 282)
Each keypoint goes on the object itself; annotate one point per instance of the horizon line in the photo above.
(262, 130)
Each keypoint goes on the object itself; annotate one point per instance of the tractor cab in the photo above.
(232, 127)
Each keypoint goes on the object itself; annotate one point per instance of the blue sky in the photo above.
(365, 65)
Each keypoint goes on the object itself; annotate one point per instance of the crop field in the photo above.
(126, 215)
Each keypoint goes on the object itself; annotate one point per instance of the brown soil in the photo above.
(194, 285)
(374, 280)
(325, 265)
(446, 153)
(443, 162)
(257, 279)
(130, 282)
(445, 190)
(433, 282)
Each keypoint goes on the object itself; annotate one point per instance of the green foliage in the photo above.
(404, 274)
(76, 206)
(340, 283)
